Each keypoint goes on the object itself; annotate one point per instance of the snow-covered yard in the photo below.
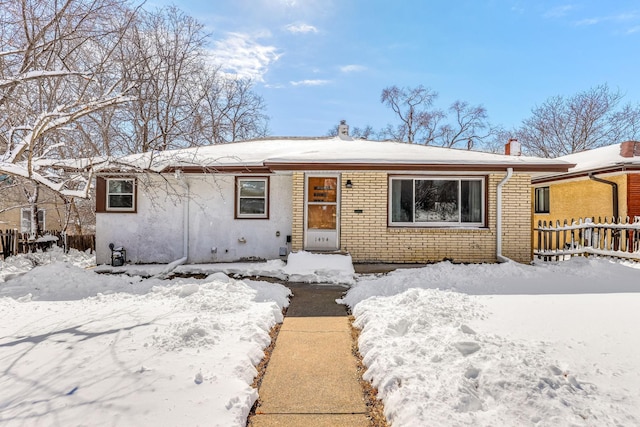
(78, 348)
(446, 344)
(509, 344)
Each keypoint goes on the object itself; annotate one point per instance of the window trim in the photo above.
(536, 208)
(133, 194)
(483, 202)
(267, 196)
(42, 223)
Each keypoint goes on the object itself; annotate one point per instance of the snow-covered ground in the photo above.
(79, 348)
(509, 344)
(446, 344)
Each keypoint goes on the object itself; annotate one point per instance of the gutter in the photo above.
(614, 190)
(499, 255)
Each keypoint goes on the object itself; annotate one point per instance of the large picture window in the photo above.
(445, 201)
(542, 200)
(121, 195)
(252, 198)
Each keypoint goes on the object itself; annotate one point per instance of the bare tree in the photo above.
(465, 124)
(48, 82)
(411, 106)
(229, 110)
(470, 126)
(583, 121)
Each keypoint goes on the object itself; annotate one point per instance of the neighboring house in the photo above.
(15, 210)
(605, 182)
(379, 201)
(73, 215)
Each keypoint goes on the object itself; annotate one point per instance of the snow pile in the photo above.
(578, 275)
(319, 268)
(136, 352)
(16, 265)
(301, 266)
(272, 268)
(440, 357)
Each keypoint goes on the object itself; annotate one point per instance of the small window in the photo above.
(121, 195)
(425, 202)
(252, 198)
(25, 220)
(542, 200)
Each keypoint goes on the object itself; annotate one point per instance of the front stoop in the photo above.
(312, 377)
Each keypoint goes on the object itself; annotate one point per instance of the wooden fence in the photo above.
(12, 242)
(611, 238)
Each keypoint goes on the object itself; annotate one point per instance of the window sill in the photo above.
(462, 229)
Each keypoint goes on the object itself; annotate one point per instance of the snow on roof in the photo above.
(596, 159)
(330, 150)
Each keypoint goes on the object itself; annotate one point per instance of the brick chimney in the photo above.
(512, 148)
(630, 149)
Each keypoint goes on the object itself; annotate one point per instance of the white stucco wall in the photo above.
(155, 232)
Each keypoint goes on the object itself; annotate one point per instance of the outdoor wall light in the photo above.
(349, 184)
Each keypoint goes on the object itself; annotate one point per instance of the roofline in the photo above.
(585, 173)
(275, 165)
(270, 167)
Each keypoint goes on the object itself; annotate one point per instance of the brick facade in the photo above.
(364, 232)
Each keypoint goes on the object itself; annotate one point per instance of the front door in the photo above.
(322, 219)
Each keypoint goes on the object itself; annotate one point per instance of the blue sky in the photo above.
(318, 61)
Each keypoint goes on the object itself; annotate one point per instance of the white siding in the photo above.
(155, 233)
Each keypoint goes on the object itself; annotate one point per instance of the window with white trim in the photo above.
(436, 201)
(25, 220)
(252, 197)
(541, 204)
(121, 195)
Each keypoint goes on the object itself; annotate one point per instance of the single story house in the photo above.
(605, 182)
(379, 201)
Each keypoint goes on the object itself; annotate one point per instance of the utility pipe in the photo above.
(614, 190)
(499, 255)
(185, 225)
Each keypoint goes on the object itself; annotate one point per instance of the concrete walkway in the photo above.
(311, 378)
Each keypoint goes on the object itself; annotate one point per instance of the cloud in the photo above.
(620, 18)
(559, 11)
(317, 82)
(301, 28)
(243, 55)
(352, 68)
(633, 30)
(589, 21)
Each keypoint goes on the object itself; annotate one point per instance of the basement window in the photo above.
(541, 200)
(252, 198)
(437, 202)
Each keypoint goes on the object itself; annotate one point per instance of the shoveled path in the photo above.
(311, 379)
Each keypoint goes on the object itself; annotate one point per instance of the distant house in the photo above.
(379, 201)
(54, 213)
(15, 209)
(605, 182)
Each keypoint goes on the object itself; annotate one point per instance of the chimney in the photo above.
(512, 148)
(630, 149)
(343, 129)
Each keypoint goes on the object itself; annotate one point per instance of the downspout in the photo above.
(499, 255)
(614, 189)
(185, 226)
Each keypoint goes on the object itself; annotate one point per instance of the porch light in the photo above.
(349, 184)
